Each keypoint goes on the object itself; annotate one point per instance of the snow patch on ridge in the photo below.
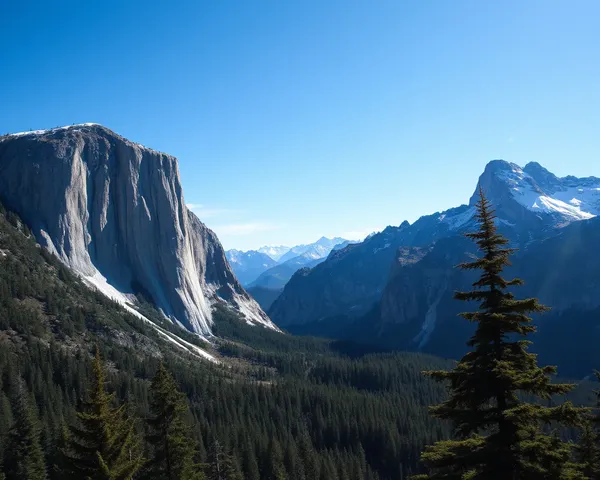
(99, 282)
(252, 312)
(454, 222)
(574, 202)
(42, 132)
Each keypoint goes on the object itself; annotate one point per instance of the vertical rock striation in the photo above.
(113, 211)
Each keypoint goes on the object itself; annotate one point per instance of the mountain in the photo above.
(417, 310)
(396, 286)
(275, 252)
(247, 266)
(265, 296)
(277, 276)
(113, 211)
(51, 322)
(319, 249)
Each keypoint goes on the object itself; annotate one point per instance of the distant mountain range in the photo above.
(396, 287)
(275, 252)
(267, 273)
(247, 266)
(319, 249)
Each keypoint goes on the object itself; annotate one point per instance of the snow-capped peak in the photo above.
(543, 192)
(49, 130)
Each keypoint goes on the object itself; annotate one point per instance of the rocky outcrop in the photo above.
(113, 211)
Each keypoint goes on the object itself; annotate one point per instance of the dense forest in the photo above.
(89, 390)
(278, 406)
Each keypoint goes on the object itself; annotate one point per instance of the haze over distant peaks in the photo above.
(249, 265)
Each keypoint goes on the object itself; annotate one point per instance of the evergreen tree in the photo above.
(221, 466)
(24, 457)
(6, 421)
(588, 451)
(249, 463)
(276, 468)
(105, 445)
(308, 456)
(588, 448)
(172, 447)
(499, 434)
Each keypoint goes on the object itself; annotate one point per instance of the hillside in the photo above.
(330, 406)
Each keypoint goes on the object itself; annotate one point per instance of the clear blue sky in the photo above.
(300, 118)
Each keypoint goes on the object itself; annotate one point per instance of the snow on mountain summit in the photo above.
(541, 191)
(49, 130)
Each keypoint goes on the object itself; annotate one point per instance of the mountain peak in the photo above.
(544, 178)
(499, 165)
(55, 129)
(82, 129)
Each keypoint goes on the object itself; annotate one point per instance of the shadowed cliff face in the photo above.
(111, 208)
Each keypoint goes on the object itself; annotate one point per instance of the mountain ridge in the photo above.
(349, 284)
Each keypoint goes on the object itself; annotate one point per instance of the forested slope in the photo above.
(332, 412)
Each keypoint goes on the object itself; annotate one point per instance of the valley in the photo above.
(351, 404)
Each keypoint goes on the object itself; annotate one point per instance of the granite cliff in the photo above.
(113, 211)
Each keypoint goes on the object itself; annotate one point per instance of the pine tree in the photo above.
(499, 434)
(588, 448)
(6, 421)
(249, 463)
(24, 458)
(309, 459)
(276, 468)
(170, 438)
(221, 465)
(105, 445)
(588, 452)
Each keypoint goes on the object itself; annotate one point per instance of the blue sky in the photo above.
(296, 119)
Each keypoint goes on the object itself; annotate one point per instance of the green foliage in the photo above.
(588, 449)
(24, 457)
(365, 416)
(499, 435)
(221, 465)
(275, 469)
(172, 447)
(105, 444)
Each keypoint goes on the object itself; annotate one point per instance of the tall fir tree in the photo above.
(6, 421)
(275, 466)
(24, 457)
(221, 465)
(499, 435)
(588, 448)
(172, 447)
(588, 451)
(249, 463)
(105, 445)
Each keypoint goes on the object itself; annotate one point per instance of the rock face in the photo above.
(113, 211)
